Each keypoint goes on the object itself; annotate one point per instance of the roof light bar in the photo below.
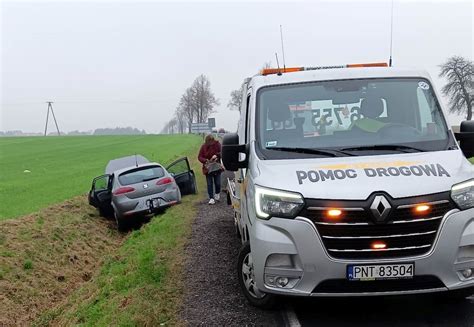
(372, 64)
(271, 71)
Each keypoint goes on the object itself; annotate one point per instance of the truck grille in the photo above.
(404, 231)
(417, 283)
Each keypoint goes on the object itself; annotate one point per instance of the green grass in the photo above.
(472, 160)
(63, 167)
(135, 286)
(141, 284)
(27, 265)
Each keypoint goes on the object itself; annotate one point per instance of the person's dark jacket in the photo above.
(207, 151)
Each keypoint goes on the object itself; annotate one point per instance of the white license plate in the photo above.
(155, 202)
(377, 272)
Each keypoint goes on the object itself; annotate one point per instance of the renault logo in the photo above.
(145, 185)
(380, 208)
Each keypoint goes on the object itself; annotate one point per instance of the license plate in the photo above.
(154, 203)
(377, 272)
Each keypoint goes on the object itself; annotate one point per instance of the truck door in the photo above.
(241, 175)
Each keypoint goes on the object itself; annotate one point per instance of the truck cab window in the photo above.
(351, 113)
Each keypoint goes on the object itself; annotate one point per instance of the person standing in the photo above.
(210, 157)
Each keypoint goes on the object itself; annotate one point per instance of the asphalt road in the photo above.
(388, 311)
(213, 297)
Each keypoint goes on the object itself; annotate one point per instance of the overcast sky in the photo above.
(111, 63)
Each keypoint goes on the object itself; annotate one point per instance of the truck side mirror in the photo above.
(231, 150)
(466, 138)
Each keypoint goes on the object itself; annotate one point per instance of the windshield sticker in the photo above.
(314, 176)
(423, 85)
(271, 143)
(373, 164)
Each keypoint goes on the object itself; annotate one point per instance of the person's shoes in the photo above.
(212, 201)
(217, 197)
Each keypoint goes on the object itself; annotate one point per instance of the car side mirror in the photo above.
(231, 150)
(466, 138)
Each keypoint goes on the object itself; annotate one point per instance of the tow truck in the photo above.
(350, 182)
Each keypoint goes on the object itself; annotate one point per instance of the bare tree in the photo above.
(236, 96)
(236, 99)
(186, 107)
(181, 120)
(173, 126)
(195, 105)
(459, 73)
(203, 99)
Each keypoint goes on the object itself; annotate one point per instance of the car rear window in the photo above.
(141, 174)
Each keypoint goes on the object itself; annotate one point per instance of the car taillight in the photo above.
(123, 190)
(166, 180)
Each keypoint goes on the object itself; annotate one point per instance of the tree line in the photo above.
(195, 106)
(198, 101)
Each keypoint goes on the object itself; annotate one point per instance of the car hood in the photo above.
(355, 178)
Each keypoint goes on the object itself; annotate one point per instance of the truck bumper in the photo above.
(292, 248)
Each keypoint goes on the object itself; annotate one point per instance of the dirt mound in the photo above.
(45, 256)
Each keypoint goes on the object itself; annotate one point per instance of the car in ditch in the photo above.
(133, 186)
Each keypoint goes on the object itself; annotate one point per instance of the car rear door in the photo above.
(183, 175)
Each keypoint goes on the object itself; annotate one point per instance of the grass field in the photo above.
(63, 167)
(62, 264)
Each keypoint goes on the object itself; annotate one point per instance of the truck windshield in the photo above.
(350, 117)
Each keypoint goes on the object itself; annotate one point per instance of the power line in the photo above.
(50, 108)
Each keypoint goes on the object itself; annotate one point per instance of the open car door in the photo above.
(183, 175)
(100, 195)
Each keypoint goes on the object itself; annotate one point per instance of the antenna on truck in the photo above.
(278, 64)
(391, 36)
(282, 48)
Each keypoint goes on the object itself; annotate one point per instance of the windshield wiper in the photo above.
(325, 152)
(381, 147)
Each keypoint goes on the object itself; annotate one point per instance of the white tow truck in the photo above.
(349, 182)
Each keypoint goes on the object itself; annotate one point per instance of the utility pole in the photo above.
(50, 108)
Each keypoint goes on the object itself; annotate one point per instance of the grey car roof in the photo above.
(125, 162)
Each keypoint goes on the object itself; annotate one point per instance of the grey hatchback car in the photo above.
(132, 186)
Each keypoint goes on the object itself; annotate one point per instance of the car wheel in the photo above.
(121, 223)
(246, 278)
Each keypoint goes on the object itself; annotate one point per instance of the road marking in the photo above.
(289, 315)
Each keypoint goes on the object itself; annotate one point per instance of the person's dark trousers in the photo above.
(213, 182)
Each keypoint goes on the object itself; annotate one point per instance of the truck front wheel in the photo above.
(246, 277)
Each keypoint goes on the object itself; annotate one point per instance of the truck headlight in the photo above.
(270, 202)
(463, 194)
